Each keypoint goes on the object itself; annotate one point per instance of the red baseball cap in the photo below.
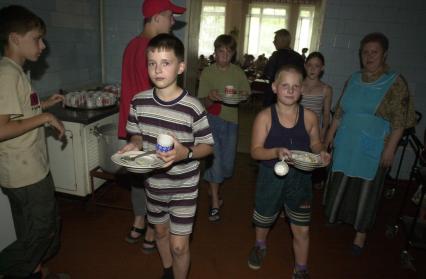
(152, 7)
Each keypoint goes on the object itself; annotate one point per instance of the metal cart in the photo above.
(404, 142)
(411, 224)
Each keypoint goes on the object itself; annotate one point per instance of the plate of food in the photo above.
(305, 160)
(233, 99)
(138, 161)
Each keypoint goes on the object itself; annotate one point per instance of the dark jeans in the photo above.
(36, 221)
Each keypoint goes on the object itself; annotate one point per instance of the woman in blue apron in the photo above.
(371, 115)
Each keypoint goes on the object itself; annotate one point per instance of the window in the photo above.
(304, 28)
(264, 19)
(212, 25)
(261, 23)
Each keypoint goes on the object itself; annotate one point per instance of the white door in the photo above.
(7, 232)
(62, 161)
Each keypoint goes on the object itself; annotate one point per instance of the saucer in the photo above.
(139, 165)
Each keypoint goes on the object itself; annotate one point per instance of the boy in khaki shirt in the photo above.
(24, 168)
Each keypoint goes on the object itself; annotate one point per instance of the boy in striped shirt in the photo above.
(171, 191)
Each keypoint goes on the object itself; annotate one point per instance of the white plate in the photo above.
(304, 168)
(140, 165)
(305, 160)
(139, 170)
(233, 100)
(239, 97)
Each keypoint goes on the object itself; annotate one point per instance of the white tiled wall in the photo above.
(123, 21)
(403, 22)
(72, 57)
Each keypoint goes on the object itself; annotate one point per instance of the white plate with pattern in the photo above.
(306, 161)
(139, 165)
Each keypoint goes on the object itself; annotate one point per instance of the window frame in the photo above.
(262, 6)
(203, 5)
(297, 36)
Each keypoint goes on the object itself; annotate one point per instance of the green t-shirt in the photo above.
(214, 78)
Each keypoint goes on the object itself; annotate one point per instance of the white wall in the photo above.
(123, 20)
(403, 22)
(72, 57)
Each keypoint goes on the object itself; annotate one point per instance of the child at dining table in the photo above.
(173, 190)
(284, 126)
(317, 96)
(24, 167)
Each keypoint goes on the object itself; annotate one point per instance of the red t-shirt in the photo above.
(134, 78)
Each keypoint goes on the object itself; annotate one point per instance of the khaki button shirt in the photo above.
(23, 159)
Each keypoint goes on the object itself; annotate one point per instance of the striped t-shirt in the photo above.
(314, 103)
(186, 119)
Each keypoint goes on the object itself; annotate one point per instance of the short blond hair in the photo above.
(289, 68)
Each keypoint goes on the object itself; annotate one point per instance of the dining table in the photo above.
(258, 88)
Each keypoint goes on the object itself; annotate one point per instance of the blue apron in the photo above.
(359, 140)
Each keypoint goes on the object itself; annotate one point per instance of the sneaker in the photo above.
(214, 215)
(256, 257)
(300, 274)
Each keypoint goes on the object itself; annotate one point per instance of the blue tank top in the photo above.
(295, 138)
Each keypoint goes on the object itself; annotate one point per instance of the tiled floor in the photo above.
(93, 240)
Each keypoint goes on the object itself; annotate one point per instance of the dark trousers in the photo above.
(36, 221)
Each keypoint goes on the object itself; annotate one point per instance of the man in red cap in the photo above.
(153, 7)
(158, 18)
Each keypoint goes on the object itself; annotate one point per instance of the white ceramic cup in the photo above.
(281, 168)
(230, 90)
(91, 103)
(164, 143)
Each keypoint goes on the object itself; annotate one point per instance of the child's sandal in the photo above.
(132, 240)
(357, 250)
(148, 246)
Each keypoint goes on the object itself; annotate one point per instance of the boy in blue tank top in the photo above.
(277, 130)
